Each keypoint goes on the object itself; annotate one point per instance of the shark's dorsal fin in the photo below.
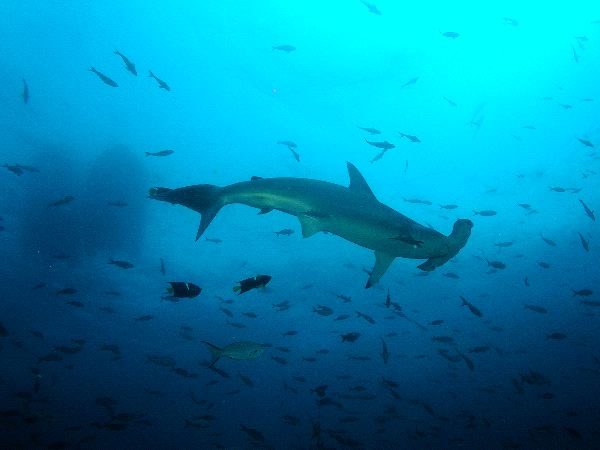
(357, 181)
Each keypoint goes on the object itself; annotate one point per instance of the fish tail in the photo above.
(203, 198)
(214, 351)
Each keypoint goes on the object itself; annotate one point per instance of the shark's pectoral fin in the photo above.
(431, 264)
(310, 225)
(382, 262)
(265, 210)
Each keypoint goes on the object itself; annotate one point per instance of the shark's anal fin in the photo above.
(310, 225)
(382, 262)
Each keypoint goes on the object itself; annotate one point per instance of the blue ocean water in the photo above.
(492, 112)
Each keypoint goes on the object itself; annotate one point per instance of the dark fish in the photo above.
(471, 307)
(485, 213)
(588, 211)
(342, 317)
(450, 102)
(436, 322)
(128, 64)
(590, 302)
(450, 34)
(535, 308)
(371, 7)
(496, 264)
(449, 206)
(50, 357)
(543, 264)
(161, 153)
(66, 291)
(279, 359)
(290, 333)
(25, 94)
(503, 244)
(550, 242)
(144, 318)
(480, 349)
(104, 78)
(236, 324)
(366, 317)
(284, 232)
(556, 336)
(582, 292)
(451, 275)
(62, 201)
(289, 144)
(182, 289)
(385, 145)
(250, 314)
(443, 339)
(117, 204)
(226, 312)
(584, 242)
(409, 82)
(214, 240)
(295, 154)
(585, 142)
(76, 304)
(323, 310)
(526, 281)
(16, 169)
(4, 331)
(371, 130)
(284, 48)
(248, 284)
(161, 83)
(410, 137)
(417, 201)
(558, 189)
(385, 354)
(378, 156)
(163, 270)
(388, 300)
(350, 337)
(120, 263)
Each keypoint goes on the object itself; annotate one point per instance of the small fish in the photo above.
(104, 78)
(535, 308)
(385, 145)
(76, 303)
(410, 137)
(589, 302)
(471, 307)
(409, 82)
(543, 264)
(510, 21)
(323, 310)
(587, 210)
(226, 312)
(144, 318)
(371, 7)
(378, 156)
(350, 337)
(496, 264)
(214, 240)
(480, 349)
(253, 433)
(556, 336)
(584, 242)
(558, 189)
(417, 201)
(450, 102)
(449, 206)
(342, 317)
(288, 144)
(451, 275)
(586, 142)
(163, 270)
(117, 204)
(66, 291)
(284, 48)
(128, 64)
(370, 130)
(183, 289)
(161, 83)
(290, 333)
(385, 354)
(485, 213)
(526, 281)
(120, 263)
(63, 201)
(503, 244)
(236, 324)
(366, 317)
(436, 322)
(550, 242)
(295, 154)
(160, 153)
(25, 94)
(443, 339)
(279, 360)
(388, 300)
(284, 232)
(250, 314)
(582, 292)
(450, 34)
(259, 281)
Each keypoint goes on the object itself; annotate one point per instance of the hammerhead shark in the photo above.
(352, 213)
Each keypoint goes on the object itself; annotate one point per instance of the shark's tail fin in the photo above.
(214, 351)
(203, 198)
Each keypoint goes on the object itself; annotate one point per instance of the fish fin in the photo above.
(206, 217)
(256, 178)
(310, 225)
(215, 351)
(382, 262)
(357, 181)
(265, 210)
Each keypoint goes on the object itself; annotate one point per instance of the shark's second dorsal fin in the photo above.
(357, 181)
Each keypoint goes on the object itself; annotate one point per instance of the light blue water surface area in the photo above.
(484, 111)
